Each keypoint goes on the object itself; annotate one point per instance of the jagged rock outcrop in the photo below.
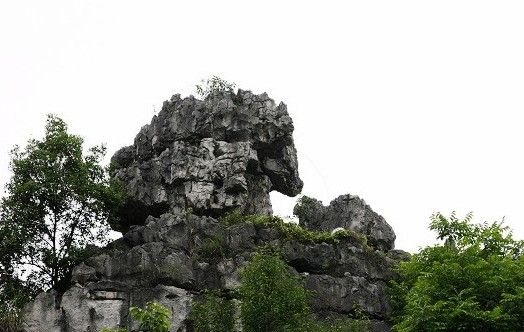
(196, 162)
(349, 212)
(209, 156)
(174, 257)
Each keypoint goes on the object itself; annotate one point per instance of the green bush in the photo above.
(213, 314)
(473, 281)
(154, 318)
(273, 300)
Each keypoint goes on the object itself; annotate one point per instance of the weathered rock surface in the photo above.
(175, 256)
(94, 306)
(223, 153)
(195, 162)
(346, 211)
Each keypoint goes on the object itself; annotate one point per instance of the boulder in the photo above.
(348, 212)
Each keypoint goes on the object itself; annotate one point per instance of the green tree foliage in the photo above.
(273, 300)
(473, 281)
(213, 84)
(14, 294)
(213, 314)
(58, 203)
(154, 318)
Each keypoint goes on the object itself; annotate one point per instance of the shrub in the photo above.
(273, 300)
(213, 314)
(154, 318)
(473, 281)
(213, 84)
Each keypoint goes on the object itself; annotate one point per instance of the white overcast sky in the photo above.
(415, 106)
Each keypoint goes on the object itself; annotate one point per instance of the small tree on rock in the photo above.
(213, 84)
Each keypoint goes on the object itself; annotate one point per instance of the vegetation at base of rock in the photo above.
(213, 313)
(14, 294)
(58, 202)
(292, 231)
(213, 84)
(473, 281)
(273, 300)
(154, 318)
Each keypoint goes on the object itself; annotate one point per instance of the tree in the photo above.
(273, 300)
(472, 281)
(57, 204)
(213, 84)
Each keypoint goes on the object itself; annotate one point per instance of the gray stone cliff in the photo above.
(196, 162)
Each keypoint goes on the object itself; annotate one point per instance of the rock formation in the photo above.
(346, 211)
(224, 153)
(196, 162)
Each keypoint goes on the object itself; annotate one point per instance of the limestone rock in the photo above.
(346, 211)
(172, 257)
(196, 161)
(99, 305)
(209, 156)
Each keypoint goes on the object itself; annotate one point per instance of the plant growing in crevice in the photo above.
(212, 249)
(293, 231)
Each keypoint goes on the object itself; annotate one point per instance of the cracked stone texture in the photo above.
(169, 260)
(210, 156)
(196, 161)
(349, 212)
